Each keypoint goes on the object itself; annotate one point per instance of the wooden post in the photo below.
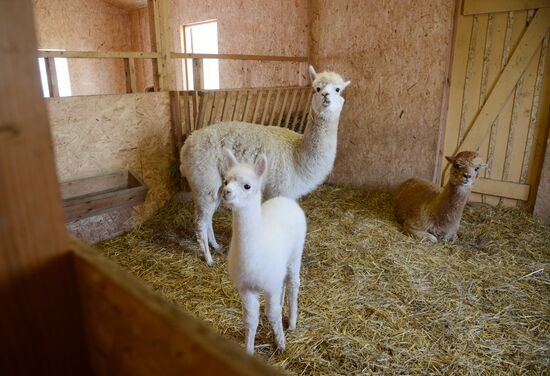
(51, 72)
(130, 71)
(161, 42)
(197, 75)
(40, 318)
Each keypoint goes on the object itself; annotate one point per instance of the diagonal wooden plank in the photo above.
(507, 81)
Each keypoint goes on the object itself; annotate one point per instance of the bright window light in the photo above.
(63, 78)
(202, 38)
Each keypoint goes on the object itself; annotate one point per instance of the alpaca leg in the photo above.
(211, 236)
(251, 305)
(293, 285)
(274, 315)
(419, 234)
(201, 218)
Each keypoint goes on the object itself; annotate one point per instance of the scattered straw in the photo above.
(374, 300)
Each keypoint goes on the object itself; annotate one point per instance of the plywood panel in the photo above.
(99, 134)
(395, 54)
(86, 26)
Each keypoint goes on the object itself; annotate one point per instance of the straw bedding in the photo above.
(374, 300)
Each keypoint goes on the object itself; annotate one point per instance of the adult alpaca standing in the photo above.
(298, 163)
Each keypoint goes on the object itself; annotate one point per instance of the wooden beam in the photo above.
(197, 74)
(136, 332)
(130, 71)
(99, 54)
(51, 72)
(40, 319)
(507, 80)
(154, 29)
(472, 7)
(500, 188)
(175, 122)
(181, 55)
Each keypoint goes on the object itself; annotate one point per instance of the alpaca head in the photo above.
(242, 181)
(328, 87)
(465, 168)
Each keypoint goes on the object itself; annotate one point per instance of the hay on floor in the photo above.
(373, 299)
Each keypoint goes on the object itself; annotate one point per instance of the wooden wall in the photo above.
(94, 135)
(87, 26)
(395, 53)
(244, 27)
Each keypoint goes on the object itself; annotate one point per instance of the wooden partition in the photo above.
(64, 309)
(281, 106)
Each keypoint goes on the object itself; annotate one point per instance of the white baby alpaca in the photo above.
(266, 247)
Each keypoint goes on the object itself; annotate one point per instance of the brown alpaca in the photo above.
(429, 212)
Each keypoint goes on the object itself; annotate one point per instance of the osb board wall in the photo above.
(87, 26)
(542, 203)
(100, 134)
(395, 54)
(245, 27)
(141, 41)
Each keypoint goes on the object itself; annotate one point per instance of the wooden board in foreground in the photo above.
(133, 331)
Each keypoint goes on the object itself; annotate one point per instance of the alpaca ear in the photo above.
(345, 85)
(230, 157)
(261, 165)
(312, 73)
(483, 165)
(450, 159)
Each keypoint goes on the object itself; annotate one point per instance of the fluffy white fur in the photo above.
(298, 163)
(266, 247)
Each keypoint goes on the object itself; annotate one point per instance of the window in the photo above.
(62, 74)
(201, 38)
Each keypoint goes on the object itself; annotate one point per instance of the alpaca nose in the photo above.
(467, 176)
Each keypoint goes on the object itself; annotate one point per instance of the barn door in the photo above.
(499, 95)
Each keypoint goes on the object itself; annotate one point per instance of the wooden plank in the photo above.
(458, 79)
(507, 80)
(182, 55)
(291, 108)
(98, 54)
(134, 331)
(259, 94)
(175, 124)
(283, 106)
(266, 106)
(186, 107)
(541, 128)
(40, 319)
(516, 191)
(235, 108)
(246, 105)
(274, 109)
(197, 74)
(88, 185)
(154, 30)
(51, 72)
(299, 109)
(200, 112)
(305, 117)
(225, 106)
(493, 6)
(130, 72)
(521, 117)
(212, 109)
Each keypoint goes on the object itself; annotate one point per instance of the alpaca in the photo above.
(428, 212)
(266, 247)
(298, 163)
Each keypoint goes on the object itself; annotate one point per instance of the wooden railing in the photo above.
(279, 106)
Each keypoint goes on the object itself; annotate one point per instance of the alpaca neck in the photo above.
(452, 199)
(317, 152)
(247, 228)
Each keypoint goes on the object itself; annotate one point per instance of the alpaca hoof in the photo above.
(292, 326)
(217, 247)
(209, 262)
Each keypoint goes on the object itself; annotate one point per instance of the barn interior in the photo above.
(125, 82)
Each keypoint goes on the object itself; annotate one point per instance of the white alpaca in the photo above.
(298, 163)
(266, 247)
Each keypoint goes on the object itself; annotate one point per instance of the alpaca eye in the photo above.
(477, 169)
(225, 182)
(318, 89)
(337, 89)
(247, 187)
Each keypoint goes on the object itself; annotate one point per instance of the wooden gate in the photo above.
(500, 95)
